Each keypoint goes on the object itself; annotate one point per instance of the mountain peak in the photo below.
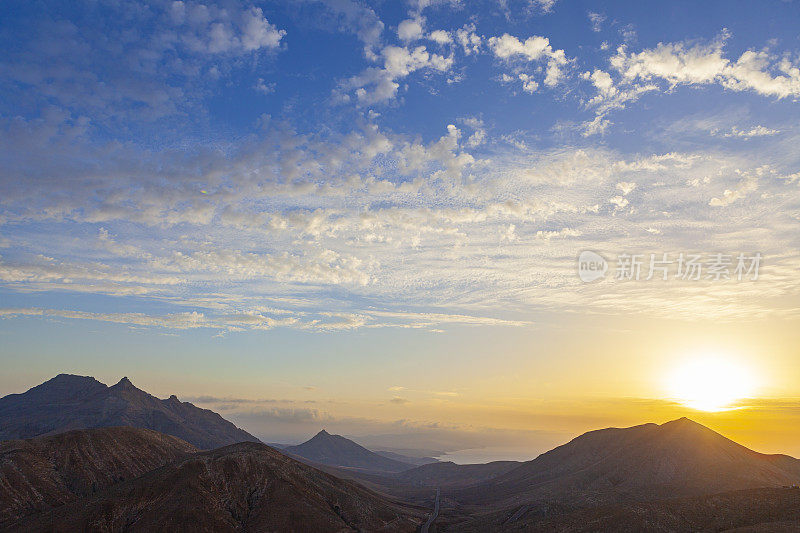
(683, 423)
(70, 379)
(65, 386)
(125, 385)
(336, 450)
(63, 376)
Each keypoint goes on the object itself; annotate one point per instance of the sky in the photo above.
(369, 217)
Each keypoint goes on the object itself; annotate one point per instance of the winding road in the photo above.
(433, 516)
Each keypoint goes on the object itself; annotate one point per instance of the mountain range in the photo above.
(154, 482)
(69, 402)
(676, 476)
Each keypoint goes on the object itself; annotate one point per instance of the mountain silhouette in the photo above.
(69, 402)
(677, 476)
(46, 472)
(242, 487)
(335, 450)
(648, 462)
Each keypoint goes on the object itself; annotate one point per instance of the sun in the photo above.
(711, 383)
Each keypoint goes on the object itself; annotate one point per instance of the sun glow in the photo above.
(711, 383)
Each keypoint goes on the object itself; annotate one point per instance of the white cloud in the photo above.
(470, 41)
(619, 201)
(545, 5)
(370, 219)
(380, 84)
(411, 29)
(598, 125)
(746, 186)
(529, 85)
(257, 32)
(355, 17)
(533, 49)
(214, 30)
(755, 131)
(669, 65)
(681, 64)
(478, 136)
(597, 20)
(626, 187)
(264, 87)
(440, 37)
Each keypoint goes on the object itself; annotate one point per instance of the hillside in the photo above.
(449, 474)
(766, 510)
(46, 472)
(242, 487)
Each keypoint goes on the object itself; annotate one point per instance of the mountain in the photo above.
(46, 472)
(335, 450)
(76, 402)
(677, 459)
(241, 487)
(450, 474)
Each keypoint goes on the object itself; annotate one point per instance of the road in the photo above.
(433, 516)
(521, 511)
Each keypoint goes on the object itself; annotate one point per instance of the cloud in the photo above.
(545, 6)
(264, 87)
(703, 64)
(670, 65)
(441, 37)
(285, 415)
(748, 185)
(254, 319)
(598, 125)
(376, 85)
(755, 131)
(336, 231)
(212, 30)
(228, 401)
(626, 187)
(354, 17)
(471, 43)
(479, 134)
(597, 20)
(411, 29)
(533, 49)
(129, 66)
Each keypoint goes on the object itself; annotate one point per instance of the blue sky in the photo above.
(246, 191)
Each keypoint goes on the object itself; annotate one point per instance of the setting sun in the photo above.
(710, 383)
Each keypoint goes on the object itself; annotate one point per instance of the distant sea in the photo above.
(488, 454)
